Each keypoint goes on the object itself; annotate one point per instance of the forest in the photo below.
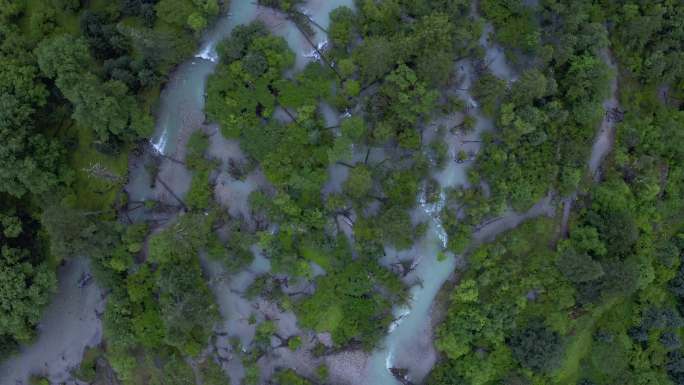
(515, 168)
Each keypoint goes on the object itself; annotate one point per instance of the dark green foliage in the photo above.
(536, 347)
(617, 322)
(237, 253)
(352, 303)
(29, 160)
(309, 86)
(578, 267)
(491, 301)
(197, 146)
(200, 195)
(601, 307)
(293, 155)
(103, 38)
(432, 47)
(26, 278)
(342, 27)
(376, 57)
(213, 374)
(397, 229)
(514, 22)
(283, 5)
(186, 306)
(237, 46)
(162, 307)
(105, 107)
(290, 377)
(185, 238)
(489, 90)
(192, 14)
(648, 38)
(550, 114)
(402, 102)
(359, 182)
(76, 82)
(228, 104)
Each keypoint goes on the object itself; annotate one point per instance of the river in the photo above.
(70, 323)
(180, 114)
(409, 343)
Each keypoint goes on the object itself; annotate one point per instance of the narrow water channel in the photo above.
(409, 343)
(182, 99)
(70, 323)
(180, 113)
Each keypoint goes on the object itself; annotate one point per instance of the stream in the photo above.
(70, 323)
(180, 114)
(409, 343)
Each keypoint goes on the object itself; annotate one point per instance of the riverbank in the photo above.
(70, 325)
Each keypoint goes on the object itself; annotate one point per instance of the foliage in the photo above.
(598, 306)
(213, 374)
(200, 195)
(26, 279)
(290, 377)
(193, 14)
(77, 80)
(399, 105)
(548, 117)
(351, 302)
(256, 66)
(536, 347)
(105, 107)
(197, 146)
(641, 43)
(608, 311)
(29, 159)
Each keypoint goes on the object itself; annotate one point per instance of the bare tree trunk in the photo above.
(172, 193)
(325, 60)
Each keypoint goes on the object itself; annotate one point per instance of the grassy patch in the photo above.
(580, 345)
(316, 255)
(98, 178)
(330, 319)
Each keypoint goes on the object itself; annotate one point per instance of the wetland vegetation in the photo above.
(341, 192)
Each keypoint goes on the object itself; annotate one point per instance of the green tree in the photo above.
(187, 307)
(105, 107)
(489, 91)
(402, 101)
(26, 280)
(24, 291)
(342, 27)
(359, 183)
(290, 377)
(578, 267)
(537, 347)
(433, 48)
(353, 128)
(29, 161)
(376, 57)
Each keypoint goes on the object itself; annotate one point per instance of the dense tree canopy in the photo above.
(420, 123)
